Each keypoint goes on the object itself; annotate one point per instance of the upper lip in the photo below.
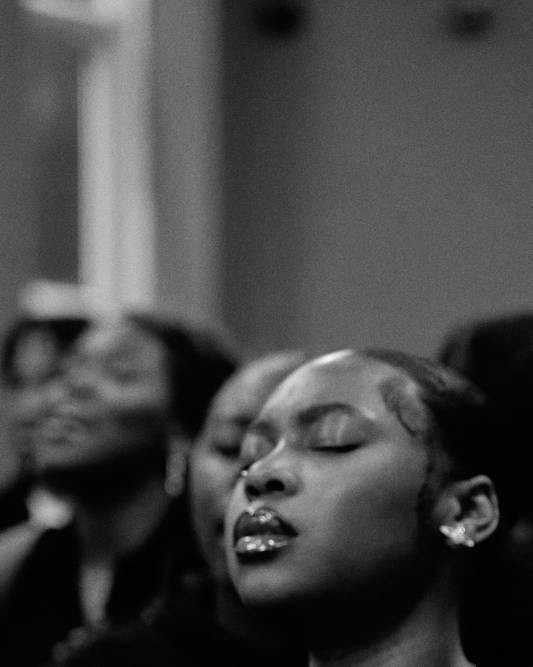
(261, 521)
(61, 421)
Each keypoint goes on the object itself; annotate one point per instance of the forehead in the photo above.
(121, 338)
(373, 388)
(246, 392)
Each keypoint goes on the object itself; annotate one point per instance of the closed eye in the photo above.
(229, 450)
(337, 449)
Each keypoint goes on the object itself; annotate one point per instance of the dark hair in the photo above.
(198, 365)
(63, 331)
(460, 420)
(466, 426)
(497, 354)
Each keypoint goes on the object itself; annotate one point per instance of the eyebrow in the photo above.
(305, 417)
(263, 428)
(241, 422)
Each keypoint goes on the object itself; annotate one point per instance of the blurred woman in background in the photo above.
(133, 392)
(31, 355)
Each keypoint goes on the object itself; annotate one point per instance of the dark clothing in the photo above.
(497, 610)
(13, 508)
(185, 635)
(43, 604)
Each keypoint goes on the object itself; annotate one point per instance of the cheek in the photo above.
(373, 510)
(237, 503)
(200, 494)
(209, 480)
(137, 411)
(117, 397)
(141, 419)
(214, 483)
(27, 405)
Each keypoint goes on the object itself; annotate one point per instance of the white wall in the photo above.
(379, 173)
(38, 184)
(187, 120)
(17, 238)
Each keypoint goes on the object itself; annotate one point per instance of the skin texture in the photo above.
(111, 400)
(214, 460)
(338, 462)
(348, 480)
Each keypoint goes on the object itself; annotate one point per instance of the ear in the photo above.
(178, 447)
(468, 509)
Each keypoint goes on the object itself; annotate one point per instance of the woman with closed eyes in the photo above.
(365, 504)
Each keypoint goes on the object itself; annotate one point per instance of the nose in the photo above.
(76, 383)
(268, 477)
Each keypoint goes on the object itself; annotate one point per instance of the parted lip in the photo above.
(64, 423)
(261, 521)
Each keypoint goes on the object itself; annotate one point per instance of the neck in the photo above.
(108, 531)
(428, 636)
(240, 622)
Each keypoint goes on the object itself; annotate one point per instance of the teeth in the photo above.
(260, 544)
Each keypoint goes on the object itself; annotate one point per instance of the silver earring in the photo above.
(244, 473)
(457, 536)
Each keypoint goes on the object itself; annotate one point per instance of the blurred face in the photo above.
(111, 400)
(328, 511)
(36, 363)
(215, 462)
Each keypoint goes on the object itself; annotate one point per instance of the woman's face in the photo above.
(214, 459)
(111, 399)
(328, 510)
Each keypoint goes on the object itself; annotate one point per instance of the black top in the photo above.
(13, 508)
(43, 605)
(182, 635)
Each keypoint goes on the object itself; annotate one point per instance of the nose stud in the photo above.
(243, 473)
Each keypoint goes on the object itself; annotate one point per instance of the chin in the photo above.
(264, 587)
(270, 604)
(65, 462)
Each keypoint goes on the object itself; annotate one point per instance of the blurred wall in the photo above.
(18, 242)
(38, 158)
(378, 169)
(187, 122)
(38, 167)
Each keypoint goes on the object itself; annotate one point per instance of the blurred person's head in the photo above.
(214, 463)
(497, 355)
(365, 485)
(32, 353)
(130, 388)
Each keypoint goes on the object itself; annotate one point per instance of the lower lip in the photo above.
(64, 432)
(252, 545)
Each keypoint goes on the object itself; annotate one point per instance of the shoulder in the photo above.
(137, 645)
(164, 637)
(16, 544)
(28, 556)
